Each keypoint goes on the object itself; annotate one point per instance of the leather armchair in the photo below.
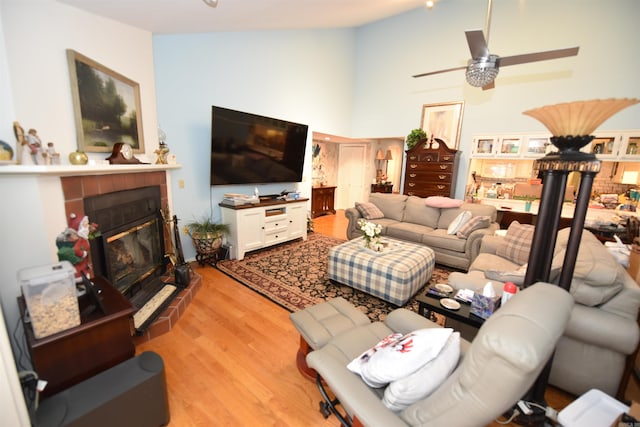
(493, 373)
(603, 331)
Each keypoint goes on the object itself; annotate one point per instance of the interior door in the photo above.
(351, 175)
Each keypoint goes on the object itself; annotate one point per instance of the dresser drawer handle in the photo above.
(412, 184)
(413, 175)
(442, 177)
(446, 158)
(413, 166)
(444, 167)
(441, 187)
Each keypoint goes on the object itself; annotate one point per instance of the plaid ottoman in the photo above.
(394, 275)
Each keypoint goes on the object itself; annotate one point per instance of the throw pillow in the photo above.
(442, 202)
(369, 211)
(406, 391)
(459, 221)
(517, 243)
(475, 223)
(397, 357)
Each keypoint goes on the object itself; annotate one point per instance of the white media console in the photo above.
(264, 224)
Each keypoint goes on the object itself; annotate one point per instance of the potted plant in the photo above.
(206, 235)
(415, 136)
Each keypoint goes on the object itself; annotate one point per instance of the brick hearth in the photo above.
(76, 188)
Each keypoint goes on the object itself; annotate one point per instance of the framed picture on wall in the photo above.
(443, 121)
(106, 106)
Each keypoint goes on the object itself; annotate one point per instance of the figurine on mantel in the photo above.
(73, 244)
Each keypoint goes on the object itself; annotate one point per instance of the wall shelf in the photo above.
(71, 170)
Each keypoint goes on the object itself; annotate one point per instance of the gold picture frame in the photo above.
(443, 121)
(106, 106)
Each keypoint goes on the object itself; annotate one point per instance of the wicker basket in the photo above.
(206, 243)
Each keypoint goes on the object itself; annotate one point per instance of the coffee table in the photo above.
(394, 275)
(428, 303)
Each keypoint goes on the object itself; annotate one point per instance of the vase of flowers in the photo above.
(371, 234)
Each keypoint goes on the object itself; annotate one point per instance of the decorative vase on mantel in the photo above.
(78, 158)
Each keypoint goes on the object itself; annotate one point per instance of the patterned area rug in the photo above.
(294, 275)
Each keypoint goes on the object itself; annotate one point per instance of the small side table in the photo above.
(382, 188)
(461, 320)
(429, 303)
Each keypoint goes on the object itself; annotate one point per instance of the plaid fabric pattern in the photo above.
(369, 210)
(475, 223)
(517, 243)
(394, 275)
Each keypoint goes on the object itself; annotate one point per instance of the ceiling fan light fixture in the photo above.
(211, 3)
(481, 72)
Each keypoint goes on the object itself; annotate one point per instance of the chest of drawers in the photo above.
(431, 169)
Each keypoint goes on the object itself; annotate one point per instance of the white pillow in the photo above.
(355, 365)
(459, 221)
(406, 391)
(400, 357)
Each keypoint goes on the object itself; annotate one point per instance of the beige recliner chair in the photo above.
(603, 331)
(493, 372)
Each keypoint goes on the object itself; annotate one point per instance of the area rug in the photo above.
(294, 275)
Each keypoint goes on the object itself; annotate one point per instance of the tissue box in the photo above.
(50, 294)
(483, 306)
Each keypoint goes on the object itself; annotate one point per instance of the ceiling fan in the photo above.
(482, 68)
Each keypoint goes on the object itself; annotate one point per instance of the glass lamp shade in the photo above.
(580, 117)
(481, 72)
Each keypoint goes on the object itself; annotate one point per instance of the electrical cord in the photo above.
(510, 419)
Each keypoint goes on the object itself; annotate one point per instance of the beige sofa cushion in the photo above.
(597, 276)
(416, 212)
(477, 209)
(391, 205)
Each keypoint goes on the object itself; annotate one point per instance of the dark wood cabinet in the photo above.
(102, 340)
(382, 188)
(431, 169)
(322, 201)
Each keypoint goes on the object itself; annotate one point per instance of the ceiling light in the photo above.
(430, 3)
(482, 71)
(211, 3)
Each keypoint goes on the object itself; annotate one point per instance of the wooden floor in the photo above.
(231, 358)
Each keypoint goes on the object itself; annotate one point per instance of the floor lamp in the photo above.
(564, 121)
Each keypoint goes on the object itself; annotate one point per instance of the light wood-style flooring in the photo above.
(230, 360)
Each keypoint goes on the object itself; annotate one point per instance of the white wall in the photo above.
(33, 67)
(300, 76)
(388, 101)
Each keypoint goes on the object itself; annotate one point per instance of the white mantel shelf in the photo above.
(72, 170)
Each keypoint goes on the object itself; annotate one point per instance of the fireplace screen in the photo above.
(134, 255)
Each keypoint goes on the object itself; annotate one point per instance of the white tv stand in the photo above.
(256, 226)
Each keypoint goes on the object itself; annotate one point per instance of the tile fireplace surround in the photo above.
(78, 182)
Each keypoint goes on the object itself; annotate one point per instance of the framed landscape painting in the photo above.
(106, 106)
(443, 121)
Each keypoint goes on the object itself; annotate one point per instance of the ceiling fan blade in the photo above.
(441, 71)
(477, 44)
(538, 56)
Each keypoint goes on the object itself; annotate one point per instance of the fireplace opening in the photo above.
(130, 253)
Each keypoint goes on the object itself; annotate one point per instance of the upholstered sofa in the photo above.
(603, 330)
(481, 382)
(410, 218)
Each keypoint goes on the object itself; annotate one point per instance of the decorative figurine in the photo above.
(35, 144)
(73, 244)
(163, 148)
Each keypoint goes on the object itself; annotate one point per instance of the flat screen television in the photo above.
(251, 149)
